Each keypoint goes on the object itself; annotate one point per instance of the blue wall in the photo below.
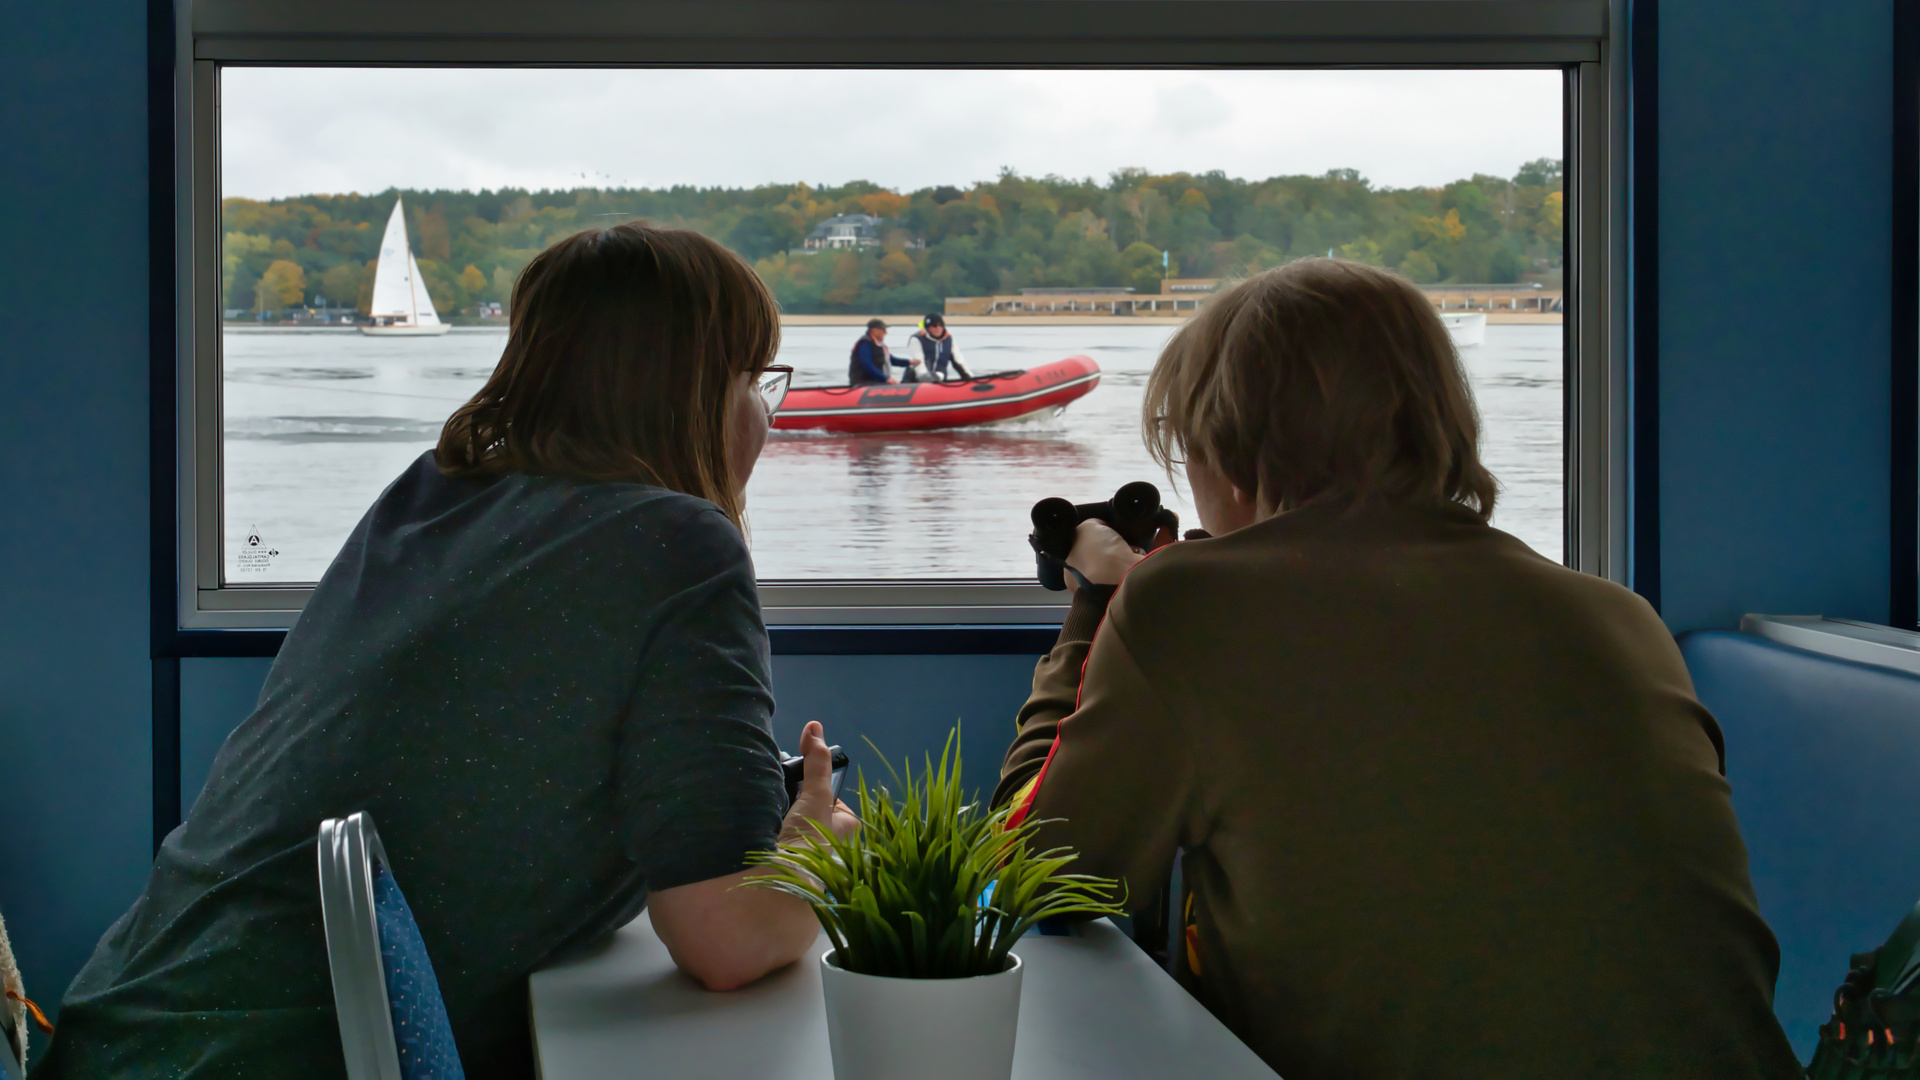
(75, 681)
(1775, 315)
(904, 704)
(215, 695)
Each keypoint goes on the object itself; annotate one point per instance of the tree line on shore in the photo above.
(994, 237)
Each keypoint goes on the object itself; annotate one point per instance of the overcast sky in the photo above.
(299, 131)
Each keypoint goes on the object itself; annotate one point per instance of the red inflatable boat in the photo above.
(983, 399)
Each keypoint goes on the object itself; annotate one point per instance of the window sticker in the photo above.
(255, 555)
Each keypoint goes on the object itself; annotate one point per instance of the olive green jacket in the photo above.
(1447, 809)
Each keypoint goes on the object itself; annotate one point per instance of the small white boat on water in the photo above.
(401, 306)
(1467, 328)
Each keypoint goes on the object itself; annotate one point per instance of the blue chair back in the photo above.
(393, 1022)
(1824, 758)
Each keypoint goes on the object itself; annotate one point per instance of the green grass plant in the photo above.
(932, 885)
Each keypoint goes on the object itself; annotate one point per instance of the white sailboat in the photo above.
(401, 306)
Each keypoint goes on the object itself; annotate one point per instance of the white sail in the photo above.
(423, 313)
(393, 278)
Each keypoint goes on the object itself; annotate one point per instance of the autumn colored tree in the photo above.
(472, 280)
(895, 268)
(884, 204)
(1443, 230)
(283, 285)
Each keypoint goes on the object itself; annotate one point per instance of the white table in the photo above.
(1092, 1006)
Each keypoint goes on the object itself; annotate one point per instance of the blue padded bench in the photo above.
(1824, 758)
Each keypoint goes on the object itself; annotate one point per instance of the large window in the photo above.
(1046, 212)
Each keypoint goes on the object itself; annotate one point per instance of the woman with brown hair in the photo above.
(539, 663)
(1444, 808)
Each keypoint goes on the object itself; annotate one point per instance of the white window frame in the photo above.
(1575, 36)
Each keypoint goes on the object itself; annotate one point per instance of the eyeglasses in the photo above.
(773, 384)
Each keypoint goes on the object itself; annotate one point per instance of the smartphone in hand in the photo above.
(795, 769)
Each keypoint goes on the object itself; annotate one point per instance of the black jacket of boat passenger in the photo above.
(551, 696)
(1448, 809)
(868, 363)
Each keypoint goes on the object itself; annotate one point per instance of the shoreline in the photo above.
(1494, 318)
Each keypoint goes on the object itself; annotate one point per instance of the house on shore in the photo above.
(845, 231)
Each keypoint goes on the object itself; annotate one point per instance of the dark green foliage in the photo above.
(902, 896)
(994, 237)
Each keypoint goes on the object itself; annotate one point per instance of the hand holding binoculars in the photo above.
(1134, 512)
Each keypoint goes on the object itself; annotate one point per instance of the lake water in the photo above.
(319, 422)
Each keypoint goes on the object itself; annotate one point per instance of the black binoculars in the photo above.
(1134, 512)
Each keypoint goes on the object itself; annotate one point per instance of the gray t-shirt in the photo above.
(551, 697)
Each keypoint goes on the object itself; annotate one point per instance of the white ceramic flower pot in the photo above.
(921, 1029)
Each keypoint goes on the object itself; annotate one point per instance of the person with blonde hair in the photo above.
(1443, 807)
(539, 664)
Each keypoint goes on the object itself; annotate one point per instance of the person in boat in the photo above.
(872, 363)
(539, 664)
(1444, 807)
(933, 346)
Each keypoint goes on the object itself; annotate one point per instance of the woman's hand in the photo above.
(1101, 555)
(815, 804)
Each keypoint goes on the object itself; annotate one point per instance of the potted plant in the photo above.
(923, 904)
